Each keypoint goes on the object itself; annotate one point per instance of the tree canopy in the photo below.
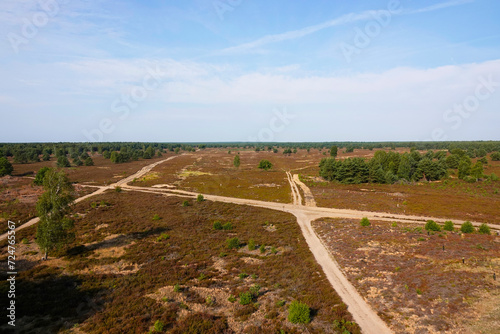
(52, 208)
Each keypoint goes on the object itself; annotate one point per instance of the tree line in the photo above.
(391, 167)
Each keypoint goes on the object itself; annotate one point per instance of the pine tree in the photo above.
(477, 170)
(236, 161)
(5, 167)
(404, 170)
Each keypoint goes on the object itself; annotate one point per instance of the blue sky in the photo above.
(241, 70)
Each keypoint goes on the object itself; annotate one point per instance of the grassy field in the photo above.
(413, 283)
(131, 249)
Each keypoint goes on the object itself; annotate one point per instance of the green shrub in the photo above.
(156, 217)
(467, 227)
(210, 301)
(431, 225)
(227, 226)
(25, 241)
(200, 198)
(231, 299)
(243, 275)
(177, 288)
(217, 225)
(233, 243)
(365, 222)
(281, 303)
(185, 203)
(262, 249)
(484, 229)
(448, 226)
(118, 189)
(254, 290)
(163, 236)
(265, 165)
(251, 245)
(299, 313)
(245, 298)
(158, 326)
(274, 250)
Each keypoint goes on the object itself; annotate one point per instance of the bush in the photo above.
(299, 313)
(254, 290)
(233, 243)
(158, 326)
(185, 203)
(484, 229)
(448, 226)
(163, 236)
(467, 227)
(265, 165)
(217, 225)
(227, 226)
(200, 198)
(251, 245)
(245, 298)
(156, 217)
(365, 222)
(6, 167)
(40, 176)
(431, 225)
(177, 288)
(118, 189)
(262, 249)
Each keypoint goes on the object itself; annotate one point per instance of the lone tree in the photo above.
(236, 161)
(52, 207)
(334, 151)
(5, 167)
(265, 165)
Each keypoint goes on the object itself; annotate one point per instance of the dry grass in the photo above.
(410, 281)
(117, 260)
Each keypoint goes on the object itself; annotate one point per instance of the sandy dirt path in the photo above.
(309, 197)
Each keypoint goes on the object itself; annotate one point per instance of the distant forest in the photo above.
(384, 167)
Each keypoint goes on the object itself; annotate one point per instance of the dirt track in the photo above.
(367, 319)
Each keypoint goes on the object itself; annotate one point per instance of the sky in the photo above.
(249, 70)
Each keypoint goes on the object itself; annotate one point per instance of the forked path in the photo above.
(362, 313)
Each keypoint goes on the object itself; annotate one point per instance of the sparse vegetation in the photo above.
(365, 222)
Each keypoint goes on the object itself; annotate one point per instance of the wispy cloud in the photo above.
(342, 20)
(438, 6)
